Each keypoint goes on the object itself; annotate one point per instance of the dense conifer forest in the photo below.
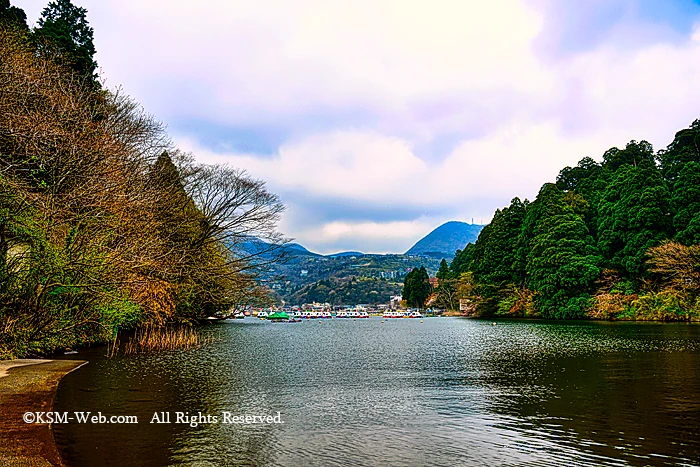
(616, 239)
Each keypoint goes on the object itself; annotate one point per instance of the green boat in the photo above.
(278, 316)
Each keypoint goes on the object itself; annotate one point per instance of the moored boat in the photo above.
(279, 316)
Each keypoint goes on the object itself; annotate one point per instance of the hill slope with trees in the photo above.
(104, 224)
(616, 239)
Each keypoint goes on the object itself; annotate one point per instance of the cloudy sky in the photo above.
(376, 121)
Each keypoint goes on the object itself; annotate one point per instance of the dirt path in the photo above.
(29, 386)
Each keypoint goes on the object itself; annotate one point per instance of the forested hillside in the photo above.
(104, 224)
(616, 239)
(344, 279)
(349, 290)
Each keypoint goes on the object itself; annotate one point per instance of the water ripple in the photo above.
(445, 392)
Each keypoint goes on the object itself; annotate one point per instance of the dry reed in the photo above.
(113, 347)
(160, 338)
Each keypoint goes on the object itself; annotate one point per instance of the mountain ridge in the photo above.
(350, 277)
(446, 239)
(441, 242)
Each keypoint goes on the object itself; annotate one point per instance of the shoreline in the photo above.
(585, 319)
(29, 385)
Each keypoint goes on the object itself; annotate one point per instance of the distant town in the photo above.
(350, 278)
(296, 313)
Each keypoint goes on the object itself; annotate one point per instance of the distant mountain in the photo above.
(346, 253)
(295, 248)
(344, 278)
(446, 239)
(255, 246)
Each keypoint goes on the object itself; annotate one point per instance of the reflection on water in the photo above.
(444, 392)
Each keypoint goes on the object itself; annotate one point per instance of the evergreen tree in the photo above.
(684, 148)
(176, 211)
(416, 288)
(423, 289)
(496, 259)
(680, 167)
(64, 33)
(183, 229)
(589, 180)
(12, 15)
(685, 200)
(595, 227)
(462, 260)
(579, 178)
(444, 270)
(408, 285)
(636, 154)
(634, 215)
(562, 262)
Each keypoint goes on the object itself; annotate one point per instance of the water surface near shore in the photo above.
(444, 392)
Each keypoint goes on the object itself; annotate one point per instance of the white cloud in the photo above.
(372, 168)
(368, 166)
(359, 86)
(374, 237)
(244, 63)
(360, 165)
(648, 93)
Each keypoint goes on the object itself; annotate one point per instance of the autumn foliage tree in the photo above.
(678, 267)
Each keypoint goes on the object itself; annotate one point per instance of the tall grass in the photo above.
(113, 347)
(151, 338)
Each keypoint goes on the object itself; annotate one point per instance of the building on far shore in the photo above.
(395, 302)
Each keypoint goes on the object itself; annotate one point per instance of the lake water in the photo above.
(444, 392)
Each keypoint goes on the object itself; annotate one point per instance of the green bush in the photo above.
(664, 306)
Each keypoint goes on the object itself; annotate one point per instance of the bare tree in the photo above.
(678, 265)
(101, 216)
(237, 210)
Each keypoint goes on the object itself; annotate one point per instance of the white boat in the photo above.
(320, 315)
(393, 314)
(263, 315)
